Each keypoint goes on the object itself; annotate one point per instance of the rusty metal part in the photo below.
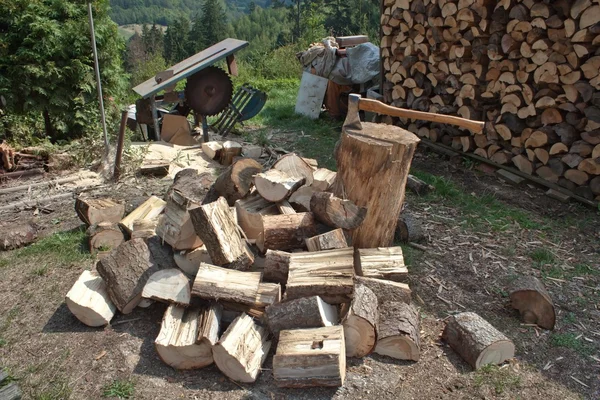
(209, 91)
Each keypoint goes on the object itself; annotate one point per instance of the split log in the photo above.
(331, 240)
(144, 229)
(310, 357)
(378, 151)
(477, 341)
(14, 236)
(275, 185)
(229, 151)
(309, 312)
(251, 151)
(398, 331)
(235, 182)
(10, 391)
(381, 263)
(88, 300)
(530, 297)
(94, 211)
(189, 260)
(277, 264)
(242, 349)
(168, 285)
(386, 291)
(249, 213)
(285, 207)
(323, 179)
(175, 225)
(216, 283)
(215, 225)
(326, 273)
(286, 232)
(360, 322)
(267, 294)
(417, 186)
(104, 236)
(126, 271)
(149, 210)
(409, 229)
(335, 212)
(161, 253)
(193, 186)
(212, 150)
(187, 336)
(301, 198)
(295, 166)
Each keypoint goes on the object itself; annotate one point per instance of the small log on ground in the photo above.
(187, 336)
(149, 210)
(249, 213)
(14, 236)
(126, 271)
(235, 182)
(88, 300)
(477, 341)
(409, 229)
(104, 236)
(530, 297)
(10, 391)
(309, 312)
(335, 212)
(418, 186)
(310, 357)
(229, 151)
(398, 331)
(215, 224)
(216, 283)
(360, 322)
(242, 349)
(381, 263)
(277, 264)
(168, 285)
(323, 179)
(328, 274)
(386, 291)
(286, 232)
(189, 260)
(327, 241)
(94, 211)
(275, 185)
(296, 167)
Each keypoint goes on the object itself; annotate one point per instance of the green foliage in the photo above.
(65, 248)
(119, 389)
(177, 39)
(46, 66)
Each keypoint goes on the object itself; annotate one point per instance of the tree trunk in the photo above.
(380, 151)
(477, 341)
(310, 357)
(360, 323)
(409, 228)
(49, 128)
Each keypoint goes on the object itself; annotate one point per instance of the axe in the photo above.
(356, 103)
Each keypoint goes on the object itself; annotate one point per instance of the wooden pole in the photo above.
(119, 155)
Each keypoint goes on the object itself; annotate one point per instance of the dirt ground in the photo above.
(469, 261)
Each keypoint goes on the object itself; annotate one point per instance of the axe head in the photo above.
(353, 116)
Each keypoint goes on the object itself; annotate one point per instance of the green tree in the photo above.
(213, 22)
(176, 41)
(46, 63)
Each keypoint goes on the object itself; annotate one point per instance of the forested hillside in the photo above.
(163, 11)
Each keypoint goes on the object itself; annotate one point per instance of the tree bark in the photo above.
(398, 331)
(530, 297)
(360, 323)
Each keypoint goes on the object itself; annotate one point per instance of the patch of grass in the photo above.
(10, 316)
(570, 341)
(583, 270)
(58, 390)
(542, 256)
(40, 271)
(501, 379)
(3, 342)
(409, 255)
(479, 211)
(570, 318)
(4, 262)
(119, 389)
(64, 248)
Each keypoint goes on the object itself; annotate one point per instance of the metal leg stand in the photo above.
(205, 129)
(155, 119)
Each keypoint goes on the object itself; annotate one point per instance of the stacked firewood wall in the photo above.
(529, 68)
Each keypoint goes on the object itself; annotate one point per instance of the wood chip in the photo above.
(578, 381)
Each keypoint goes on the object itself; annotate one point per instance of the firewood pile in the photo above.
(30, 161)
(529, 68)
(256, 261)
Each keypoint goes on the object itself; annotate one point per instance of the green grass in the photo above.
(570, 341)
(501, 379)
(119, 389)
(542, 256)
(62, 247)
(3, 342)
(59, 390)
(40, 271)
(478, 211)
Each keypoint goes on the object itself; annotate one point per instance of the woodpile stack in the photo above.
(529, 68)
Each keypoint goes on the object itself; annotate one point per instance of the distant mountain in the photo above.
(125, 12)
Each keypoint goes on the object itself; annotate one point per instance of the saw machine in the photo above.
(208, 92)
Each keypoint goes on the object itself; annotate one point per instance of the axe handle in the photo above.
(381, 108)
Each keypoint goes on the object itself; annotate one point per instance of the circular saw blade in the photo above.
(209, 91)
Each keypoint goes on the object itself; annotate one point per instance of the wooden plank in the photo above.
(310, 95)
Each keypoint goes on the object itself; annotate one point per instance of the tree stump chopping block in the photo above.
(477, 341)
(373, 164)
(530, 297)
